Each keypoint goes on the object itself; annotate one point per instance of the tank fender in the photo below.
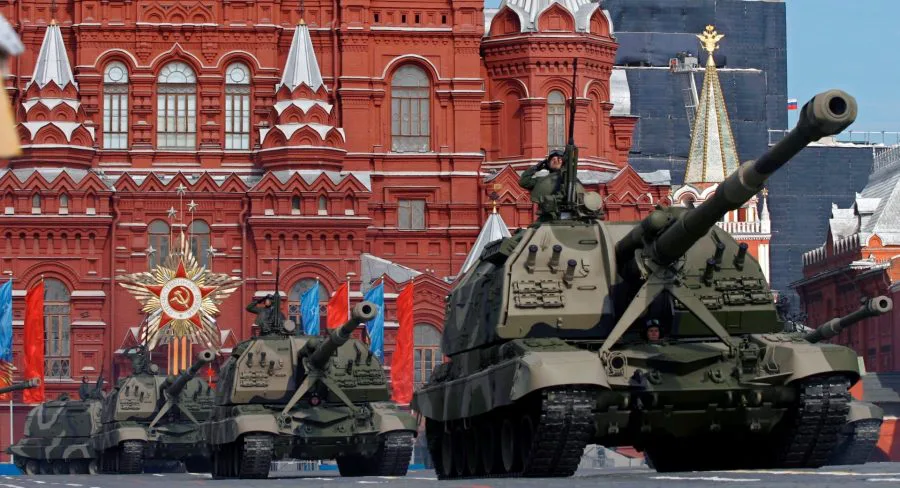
(805, 360)
(540, 370)
(390, 419)
(864, 411)
(503, 383)
(229, 430)
(112, 438)
(54, 451)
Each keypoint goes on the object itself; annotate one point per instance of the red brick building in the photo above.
(859, 259)
(364, 138)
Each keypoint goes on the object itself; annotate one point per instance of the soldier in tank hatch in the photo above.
(547, 190)
(264, 310)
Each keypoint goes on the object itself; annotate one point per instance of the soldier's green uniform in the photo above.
(547, 191)
(265, 320)
(265, 317)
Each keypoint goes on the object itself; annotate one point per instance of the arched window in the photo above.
(297, 291)
(176, 107)
(237, 106)
(323, 206)
(199, 234)
(295, 205)
(426, 352)
(410, 110)
(57, 350)
(159, 241)
(36, 203)
(115, 106)
(556, 120)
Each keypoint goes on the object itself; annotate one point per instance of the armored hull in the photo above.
(57, 438)
(548, 336)
(305, 398)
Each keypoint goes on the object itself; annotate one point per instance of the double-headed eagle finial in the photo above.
(710, 39)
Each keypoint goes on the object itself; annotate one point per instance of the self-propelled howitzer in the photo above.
(303, 397)
(871, 307)
(546, 338)
(152, 417)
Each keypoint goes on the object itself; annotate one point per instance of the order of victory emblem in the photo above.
(181, 298)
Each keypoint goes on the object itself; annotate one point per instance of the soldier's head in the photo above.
(555, 160)
(652, 329)
(270, 299)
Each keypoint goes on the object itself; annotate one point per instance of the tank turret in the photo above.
(319, 352)
(871, 307)
(174, 387)
(24, 385)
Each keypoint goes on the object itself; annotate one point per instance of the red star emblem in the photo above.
(174, 296)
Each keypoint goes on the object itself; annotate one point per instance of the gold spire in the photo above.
(495, 207)
(710, 39)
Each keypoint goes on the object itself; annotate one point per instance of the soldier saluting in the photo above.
(548, 190)
(265, 315)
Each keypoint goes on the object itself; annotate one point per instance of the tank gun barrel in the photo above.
(362, 312)
(24, 385)
(175, 387)
(872, 307)
(826, 114)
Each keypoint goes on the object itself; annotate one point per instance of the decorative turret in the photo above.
(54, 128)
(305, 130)
(713, 156)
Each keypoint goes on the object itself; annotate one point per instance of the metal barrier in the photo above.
(862, 138)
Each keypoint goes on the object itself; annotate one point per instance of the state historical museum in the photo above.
(364, 139)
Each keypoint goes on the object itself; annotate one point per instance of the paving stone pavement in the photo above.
(871, 475)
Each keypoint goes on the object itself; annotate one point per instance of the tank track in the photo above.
(821, 414)
(256, 456)
(564, 426)
(395, 453)
(131, 457)
(857, 445)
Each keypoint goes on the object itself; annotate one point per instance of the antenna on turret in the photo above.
(572, 104)
(570, 158)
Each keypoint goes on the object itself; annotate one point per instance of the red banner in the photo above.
(339, 307)
(34, 342)
(402, 360)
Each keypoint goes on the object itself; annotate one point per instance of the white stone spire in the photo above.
(53, 61)
(302, 66)
(494, 228)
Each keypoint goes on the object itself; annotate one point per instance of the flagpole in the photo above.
(11, 424)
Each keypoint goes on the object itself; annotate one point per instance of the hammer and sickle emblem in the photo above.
(179, 297)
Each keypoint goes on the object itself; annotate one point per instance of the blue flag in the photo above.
(6, 314)
(309, 310)
(375, 327)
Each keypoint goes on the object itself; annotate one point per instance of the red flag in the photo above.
(34, 342)
(339, 307)
(402, 360)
